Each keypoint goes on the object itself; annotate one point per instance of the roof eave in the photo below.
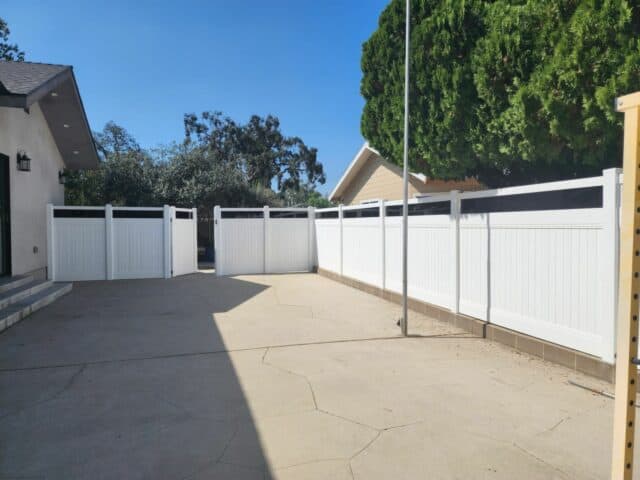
(351, 170)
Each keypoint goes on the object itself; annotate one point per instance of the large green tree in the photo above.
(508, 91)
(258, 148)
(8, 50)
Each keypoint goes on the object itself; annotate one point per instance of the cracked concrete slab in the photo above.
(320, 470)
(279, 377)
(285, 440)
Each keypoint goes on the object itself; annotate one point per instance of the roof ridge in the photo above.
(38, 63)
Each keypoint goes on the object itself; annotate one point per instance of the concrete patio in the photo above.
(280, 376)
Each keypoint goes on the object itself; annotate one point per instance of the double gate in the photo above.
(109, 243)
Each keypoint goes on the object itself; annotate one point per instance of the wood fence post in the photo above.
(624, 420)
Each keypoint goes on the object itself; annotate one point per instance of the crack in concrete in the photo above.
(68, 384)
(534, 456)
(218, 458)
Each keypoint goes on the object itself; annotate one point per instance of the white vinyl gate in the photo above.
(263, 240)
(110, 243)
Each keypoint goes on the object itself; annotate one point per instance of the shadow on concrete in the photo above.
(128, 379)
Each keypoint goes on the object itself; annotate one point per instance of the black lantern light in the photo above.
(62, 177)
(24, 162)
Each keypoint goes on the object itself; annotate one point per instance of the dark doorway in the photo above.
(5, 218)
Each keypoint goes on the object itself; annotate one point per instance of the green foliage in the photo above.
(8, 51)
(219, 163)
(258, 148)
(126, 175)
(508, 91)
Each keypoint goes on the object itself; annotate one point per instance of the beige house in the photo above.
(371, 177)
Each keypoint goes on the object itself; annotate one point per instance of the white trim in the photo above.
(356, 162)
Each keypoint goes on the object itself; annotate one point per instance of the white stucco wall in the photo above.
(30, 191)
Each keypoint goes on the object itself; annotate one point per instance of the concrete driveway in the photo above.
(281, 376)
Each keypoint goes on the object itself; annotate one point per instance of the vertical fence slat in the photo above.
(340, 217)
(267, 241)
(383, 273)
(194, 218)
(108, 229)
(609, 262)
(167, 217)
(217, 240)
(455, 244)
(51, 264)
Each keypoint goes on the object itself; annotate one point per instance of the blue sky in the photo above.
(144, 64)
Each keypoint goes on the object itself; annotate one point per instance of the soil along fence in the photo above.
(110, 243)
(537, 259)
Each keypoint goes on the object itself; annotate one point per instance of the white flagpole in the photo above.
(405, 176)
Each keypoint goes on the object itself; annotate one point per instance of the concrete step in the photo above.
(9, 283)
(17, 311)
(16, 294)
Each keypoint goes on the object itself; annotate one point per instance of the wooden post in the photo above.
(624, 420)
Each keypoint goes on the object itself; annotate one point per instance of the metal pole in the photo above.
(405, 176)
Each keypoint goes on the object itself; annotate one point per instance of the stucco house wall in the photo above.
(30, 191)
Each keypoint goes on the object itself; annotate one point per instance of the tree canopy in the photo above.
(219, 162)
(508, 91)
(8, 51)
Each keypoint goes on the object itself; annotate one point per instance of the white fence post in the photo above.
(609, 260)
(108, 228)
(194, 213)
(454, 219)
(341, 244)
(217, 246)
(267, 240)
(382, 241)
(51, 264)
(167, 219)
(311, 216)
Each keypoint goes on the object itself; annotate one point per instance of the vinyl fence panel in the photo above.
(79, 249)
(537, 259)
(328, 240)
(263, 240)
(138, 248)
(184, 241)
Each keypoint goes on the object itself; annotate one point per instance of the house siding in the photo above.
(30, 191)
(379, 179)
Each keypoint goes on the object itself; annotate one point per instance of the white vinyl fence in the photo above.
(109, 243)
(539, 259)
(263, 240)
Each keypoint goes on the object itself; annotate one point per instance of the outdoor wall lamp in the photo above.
(62, 177)
(24, 162)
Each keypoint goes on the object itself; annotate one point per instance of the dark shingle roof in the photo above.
(22, 78)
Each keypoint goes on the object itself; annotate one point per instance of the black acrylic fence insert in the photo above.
(331, 214)
(361, 212)
(184, 215)
(574, 198)
(288, 214)
(79, 213)
(415, 209)
(138, 214)
(242, 214)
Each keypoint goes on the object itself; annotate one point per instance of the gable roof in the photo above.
(54, 86)
(23, 78)
(354, 168)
